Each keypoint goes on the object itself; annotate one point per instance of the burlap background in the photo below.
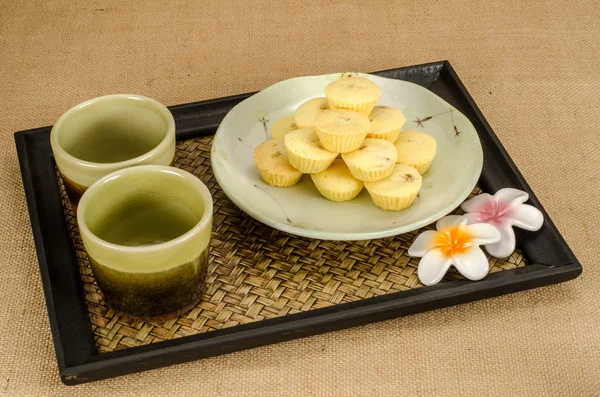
(531, 66)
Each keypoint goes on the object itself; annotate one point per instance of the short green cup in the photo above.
(110, 133)
(147, 232)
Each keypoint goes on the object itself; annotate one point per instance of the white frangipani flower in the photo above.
(503, 210)
(453, 243)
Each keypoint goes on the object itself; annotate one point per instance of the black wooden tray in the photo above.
(549, 259)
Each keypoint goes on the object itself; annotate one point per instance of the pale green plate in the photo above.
(300, 209)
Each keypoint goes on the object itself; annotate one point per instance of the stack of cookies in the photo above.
(346, 142)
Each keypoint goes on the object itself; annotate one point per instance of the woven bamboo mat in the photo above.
(256, 272)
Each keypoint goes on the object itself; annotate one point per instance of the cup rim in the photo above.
(193, 180)
(163, 145)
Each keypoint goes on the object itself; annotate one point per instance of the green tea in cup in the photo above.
(109, 133)
(147, 233)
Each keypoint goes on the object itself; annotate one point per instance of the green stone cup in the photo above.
(147, 233)
(110, 133)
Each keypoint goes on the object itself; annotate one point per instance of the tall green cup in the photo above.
(147, 233)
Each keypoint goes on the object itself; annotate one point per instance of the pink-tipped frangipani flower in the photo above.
(503, 210)
(453, 243)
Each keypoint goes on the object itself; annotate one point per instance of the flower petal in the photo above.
(476, 203)
(450, 221)
(422, 244)
(472, 264)
(526, 217)
(509, 195)
(483, 233)
(476, 217)
(432, 267)
(506, 245)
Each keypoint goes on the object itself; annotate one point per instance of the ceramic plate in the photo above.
(300, 209)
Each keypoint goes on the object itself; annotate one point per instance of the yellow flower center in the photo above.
(452, 241)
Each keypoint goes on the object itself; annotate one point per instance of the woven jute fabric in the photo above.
(256, 272)
(531, 66)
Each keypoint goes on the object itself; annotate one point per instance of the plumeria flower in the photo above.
(503, 210)
(453, 243)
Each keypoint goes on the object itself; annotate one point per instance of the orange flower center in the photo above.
(453, 241)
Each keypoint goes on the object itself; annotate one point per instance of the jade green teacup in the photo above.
(109, 133)
(147, 233)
